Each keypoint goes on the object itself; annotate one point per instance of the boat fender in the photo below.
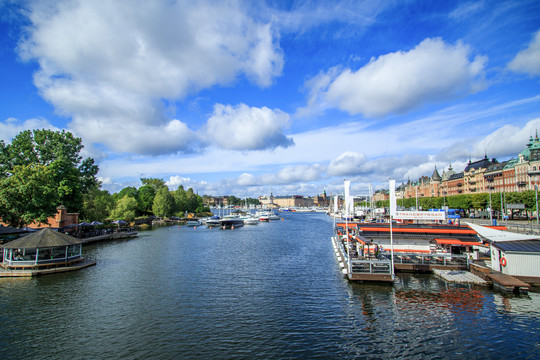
(503, 261)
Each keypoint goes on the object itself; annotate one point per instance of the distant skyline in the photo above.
(286, 97)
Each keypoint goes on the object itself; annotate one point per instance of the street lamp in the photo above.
(536, 195)
(490, 209)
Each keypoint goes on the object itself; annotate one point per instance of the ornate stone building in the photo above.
(481, 176)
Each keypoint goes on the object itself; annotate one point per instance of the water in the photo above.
(271, 291)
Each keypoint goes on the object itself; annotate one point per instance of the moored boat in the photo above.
(231, 223)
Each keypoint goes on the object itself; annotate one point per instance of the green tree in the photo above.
(153, 182)
(125, 209)
(147, 192)
(164, 205)
(27, 195)
(97, 205)
(67, 173)
(180, 199)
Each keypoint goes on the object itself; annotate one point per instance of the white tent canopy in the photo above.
(500, 235)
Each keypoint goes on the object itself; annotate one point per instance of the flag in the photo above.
(393, 204)
(347, 185)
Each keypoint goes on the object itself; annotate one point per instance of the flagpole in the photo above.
(346, 185)
(393, 212)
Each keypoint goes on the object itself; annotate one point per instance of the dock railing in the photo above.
(371, 266)
(430, 259)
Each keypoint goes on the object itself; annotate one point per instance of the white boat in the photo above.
(249, 220)
(193, 222)
(213, 221)
(273, 216)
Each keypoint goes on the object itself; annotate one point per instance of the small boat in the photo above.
(231, 223)
(193, 222)
(273, 216)
(250, 220)
(213, 221)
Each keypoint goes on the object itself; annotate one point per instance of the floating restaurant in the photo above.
(42, 252)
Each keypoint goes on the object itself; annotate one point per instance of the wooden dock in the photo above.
(111, 236)
(460, 276)
(508, 283)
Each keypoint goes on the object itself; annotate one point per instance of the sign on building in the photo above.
(421, 215)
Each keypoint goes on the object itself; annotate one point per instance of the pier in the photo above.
(358, 267)
(111, 236)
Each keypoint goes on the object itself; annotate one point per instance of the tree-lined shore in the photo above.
(42, 169)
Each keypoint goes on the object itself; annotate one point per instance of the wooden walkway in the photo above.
(460, 276)
(508, 283)
(112, 236)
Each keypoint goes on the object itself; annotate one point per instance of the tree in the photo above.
(97, 205)
(147, 192)
(163, 203)
(39, 152)
(180, 199)
(125, 209)
(27, 195)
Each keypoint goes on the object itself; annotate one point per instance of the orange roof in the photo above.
(455, 242)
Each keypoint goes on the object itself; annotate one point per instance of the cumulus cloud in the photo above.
(528, 61)
(286, 175)
(507, 141)
(110, 66)
(247, 128)
(348, 163)
(11, 127)
(400, 81)
(175, 181)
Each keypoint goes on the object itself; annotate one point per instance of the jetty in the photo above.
(110, 236)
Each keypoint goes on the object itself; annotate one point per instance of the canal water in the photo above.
(270, 291)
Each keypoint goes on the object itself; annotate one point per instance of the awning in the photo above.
(456, 242)
(499, 235)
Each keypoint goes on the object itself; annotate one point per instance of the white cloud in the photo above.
(247, 128)
(246, 179)
(348, 163)
(177, 180)
(108, 65)
(506, 141)
(11, 127)
(400, 81)
(528, 60)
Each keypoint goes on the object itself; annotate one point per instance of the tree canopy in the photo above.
(40, 170)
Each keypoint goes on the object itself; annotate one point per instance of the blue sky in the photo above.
(291, 97)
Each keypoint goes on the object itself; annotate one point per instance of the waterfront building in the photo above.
(480, 176)
(287, 201)
(513, 254)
